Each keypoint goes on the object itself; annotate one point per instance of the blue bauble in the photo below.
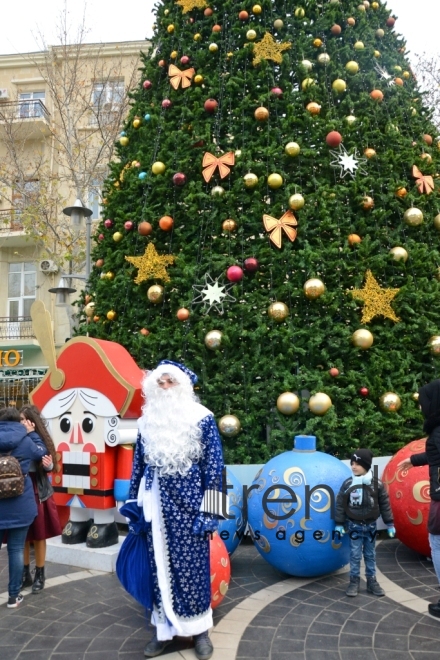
(303, 543)
(142, 175)
(122, 134)
(232, 531)
(147, 117)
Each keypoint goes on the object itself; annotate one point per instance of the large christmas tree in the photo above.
(273, 222)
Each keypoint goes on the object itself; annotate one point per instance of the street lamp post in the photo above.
(77, 212)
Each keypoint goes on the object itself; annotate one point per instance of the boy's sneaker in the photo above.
(15, 601)
(373, 587)
(353, 587)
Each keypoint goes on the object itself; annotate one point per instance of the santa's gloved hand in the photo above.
(391, 531)
(204, 523)
(340, 530)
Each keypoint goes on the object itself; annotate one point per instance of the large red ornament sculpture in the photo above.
(409, 497)
(220, 570)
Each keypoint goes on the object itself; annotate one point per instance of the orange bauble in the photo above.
(398, 81)
(145, 228)
(428, 139)
(409, 497)
(313, 108)
(401, 192)
(182, 314)
(99, 263)
(369, 153)
(166, 223)
(376, 95)
(144, 331)
(353, 239)
(367, 203)
(208, 11)
(216, 28)
(220, 570)
(351, 21)
(261, 114)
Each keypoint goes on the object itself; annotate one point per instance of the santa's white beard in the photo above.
(171, 438)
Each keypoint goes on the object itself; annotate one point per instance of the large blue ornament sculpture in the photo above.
(291, 511)
(232, 530)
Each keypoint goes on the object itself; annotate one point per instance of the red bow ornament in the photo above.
(287, 223)
(425, 184)
(210, 163)
(177, 76)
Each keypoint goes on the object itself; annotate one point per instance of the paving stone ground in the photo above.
(92, 618)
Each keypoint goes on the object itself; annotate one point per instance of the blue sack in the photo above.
(133, 562)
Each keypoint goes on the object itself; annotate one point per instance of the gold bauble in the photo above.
(390, 402)
(323, 59)
(292, 149)
(353, 239)
(437, 222)
(174, 54)
(415, 396)
(300, 12)
(229, 225)
(117, 236)
(256, 9)
(313, 108)
(369, 153)
(278, 24)
(320, 403)
(89, 309)
(339, 85)
(413, 217)
(317, 43)
(213, 339)
(158, 167)
(307, 65)
(287, 403)
(251, 35)
(250, 180)
(217, 191)
(111, 315)
(170, 29)
(350, 119)
(123, 141)
(376, 53)
(109, 275)
(229, 426)
(278, 311)
(296, 201)
(261, 114)
(314, 288)
(401, 192)
(352, 67)
(426, 157)
(136, 122)
(198, 79)
(434, 344)
(399, 254)
(155, 293)
(367, 203)
(406, 75)
(306, 83)
(213, 48)
(362, 339)
(197, 37)
(359, 45)
(380, 33)
(375, 5)
(275, 180)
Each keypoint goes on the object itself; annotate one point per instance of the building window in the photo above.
(95, 198)
(108, 96)
(31, 104)
(22, 281)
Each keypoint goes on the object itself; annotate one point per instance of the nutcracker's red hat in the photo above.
(100, 365)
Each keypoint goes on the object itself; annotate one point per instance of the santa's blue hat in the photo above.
(191, 375)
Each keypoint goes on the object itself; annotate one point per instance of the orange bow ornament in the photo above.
(286, 222)
(210, 163)
(425, 184)
(177, 76)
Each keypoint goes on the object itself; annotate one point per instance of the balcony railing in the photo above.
(29, 109)
(10, 220)
(17, 327)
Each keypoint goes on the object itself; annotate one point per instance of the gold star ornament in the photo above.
(269, 49)
(188, 5)
(377, 301)
(151, 265)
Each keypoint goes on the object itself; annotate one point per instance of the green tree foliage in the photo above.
(260, 358)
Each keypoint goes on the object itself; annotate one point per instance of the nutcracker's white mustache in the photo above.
(171, 437)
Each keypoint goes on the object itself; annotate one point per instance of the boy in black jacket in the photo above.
(361, 500)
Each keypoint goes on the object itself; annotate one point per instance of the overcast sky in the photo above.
(418, 21)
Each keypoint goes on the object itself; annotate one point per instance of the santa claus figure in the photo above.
(91, 399)
(177, 482)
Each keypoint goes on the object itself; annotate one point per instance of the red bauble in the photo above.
(179, 179)
(336, 29)
(333, 372)
(166, 103)
(251, 264)
(276, 91)
(162, 63)
(184, 59)
(147, 84)
(234, 273)
(220, 569)
(101, 237)
(99, 263)
(409, 497)
(210, 105)
(333, 139)
(108, 223)
(391, 21)
(364, 391)
(128, 225)
(243, 16)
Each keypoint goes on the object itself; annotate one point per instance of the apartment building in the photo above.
(60, 113)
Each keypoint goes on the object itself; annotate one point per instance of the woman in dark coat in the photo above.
(429, 400)
(17, 513)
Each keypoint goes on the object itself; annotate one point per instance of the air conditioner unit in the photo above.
(4, 94)
(48, 266)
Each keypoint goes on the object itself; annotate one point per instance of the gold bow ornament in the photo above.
(287, 222)
(425, 184)
(210, 163)
(177, 76)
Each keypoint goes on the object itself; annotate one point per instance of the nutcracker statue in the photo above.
(91, 399)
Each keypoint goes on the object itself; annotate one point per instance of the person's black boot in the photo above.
(373, 587)
(353, 587)
(155, 647)
(39, 580)
(26, 580)
(434, 609)
(203, 646)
